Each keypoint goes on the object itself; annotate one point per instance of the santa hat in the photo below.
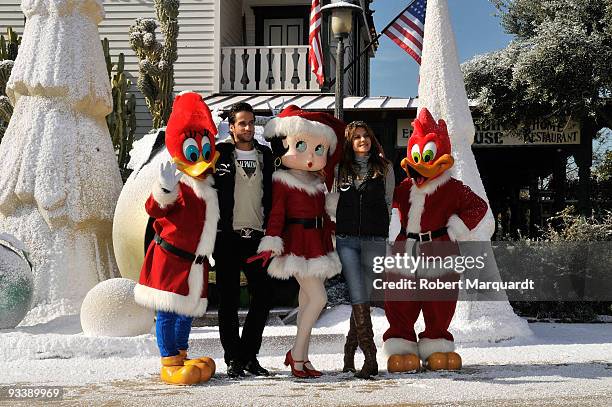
(293, 120)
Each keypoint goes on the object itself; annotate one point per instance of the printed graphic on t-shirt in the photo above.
(247, 161)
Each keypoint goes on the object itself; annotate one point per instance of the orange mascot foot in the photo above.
(403, 363)
(444, 361)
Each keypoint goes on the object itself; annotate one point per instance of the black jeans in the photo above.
(231, 252)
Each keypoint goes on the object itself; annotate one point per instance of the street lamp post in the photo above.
(341, 24)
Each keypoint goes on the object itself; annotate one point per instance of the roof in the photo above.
(319, 101)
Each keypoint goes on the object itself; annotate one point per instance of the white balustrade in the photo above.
(266, 69)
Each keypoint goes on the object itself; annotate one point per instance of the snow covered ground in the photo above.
(560, 364)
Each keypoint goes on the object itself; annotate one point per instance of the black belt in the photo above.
(427, 236)
(308, 223)
(179, 252)
(248, 233)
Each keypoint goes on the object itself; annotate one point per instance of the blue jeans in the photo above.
(172, 332)
(356, 255)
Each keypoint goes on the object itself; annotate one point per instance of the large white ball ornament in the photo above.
(109, 309)
(16, 282)
(131, 219)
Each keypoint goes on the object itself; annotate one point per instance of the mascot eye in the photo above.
(429, 152)
(206, 148)
(320, 149)
(415, 153)
(301, 146)
(191, 150)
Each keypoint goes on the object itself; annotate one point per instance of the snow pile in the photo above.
(109, 309)
(442, 91)
(62, 180)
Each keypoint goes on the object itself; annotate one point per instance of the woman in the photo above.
(365, 183)
(298, 232)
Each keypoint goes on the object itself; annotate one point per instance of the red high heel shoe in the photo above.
(312, 372)
(295, 372)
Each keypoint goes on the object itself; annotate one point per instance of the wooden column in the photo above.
(584, 160)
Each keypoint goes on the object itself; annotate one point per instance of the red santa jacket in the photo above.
(307, 252)
(443, 202)
(187, 219)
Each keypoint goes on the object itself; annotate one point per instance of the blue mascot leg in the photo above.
(182, 330)
(166, 335)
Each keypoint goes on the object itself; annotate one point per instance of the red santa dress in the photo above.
(300, 250)
(187, 219)
(443, 202)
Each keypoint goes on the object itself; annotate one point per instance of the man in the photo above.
(244, 184)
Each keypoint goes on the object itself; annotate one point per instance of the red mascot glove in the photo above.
(264, 256)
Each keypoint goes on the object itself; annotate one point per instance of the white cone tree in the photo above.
(60, 180)
(442, 91)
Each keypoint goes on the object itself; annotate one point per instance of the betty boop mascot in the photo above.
(298, 234)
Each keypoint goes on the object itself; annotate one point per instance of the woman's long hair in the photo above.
(377, 161)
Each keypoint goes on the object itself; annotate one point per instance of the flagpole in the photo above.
(354, 61)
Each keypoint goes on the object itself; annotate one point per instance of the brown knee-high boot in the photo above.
(350, 347)
(365, 336)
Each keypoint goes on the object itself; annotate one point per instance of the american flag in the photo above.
(407, 29)
(315, 53)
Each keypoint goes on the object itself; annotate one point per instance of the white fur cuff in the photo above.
(428, 346)
(271, 243)
(331, 204)
(399, 346)
(456, 229)
(164, 198)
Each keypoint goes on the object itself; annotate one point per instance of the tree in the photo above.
(156, 60)
(557, 66)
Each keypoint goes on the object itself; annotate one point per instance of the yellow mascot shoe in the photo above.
(173, 371)
(206, 371)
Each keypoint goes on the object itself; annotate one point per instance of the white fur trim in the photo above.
(162, 198)
(203, 190)
(456, 229)
(331, 204)
(191, 305)
(271, 243)
(417, 206)
(428, 346)
(286, 126)
(399, 346)
(284, 267)
(312, 187)
(417, 201)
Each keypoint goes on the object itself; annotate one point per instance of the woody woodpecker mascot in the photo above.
(174, 276)
(435, 210)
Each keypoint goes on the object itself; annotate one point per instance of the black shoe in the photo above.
(255, 368)
(235, 369)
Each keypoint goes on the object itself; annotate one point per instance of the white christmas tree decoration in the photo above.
(442, 91)
(60, 180)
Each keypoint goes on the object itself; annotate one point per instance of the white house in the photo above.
(230, 47)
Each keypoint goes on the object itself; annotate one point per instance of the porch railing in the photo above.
(267, 69)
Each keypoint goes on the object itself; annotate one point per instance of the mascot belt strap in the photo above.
(179, 252)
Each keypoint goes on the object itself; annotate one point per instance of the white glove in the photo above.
(168, 177)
